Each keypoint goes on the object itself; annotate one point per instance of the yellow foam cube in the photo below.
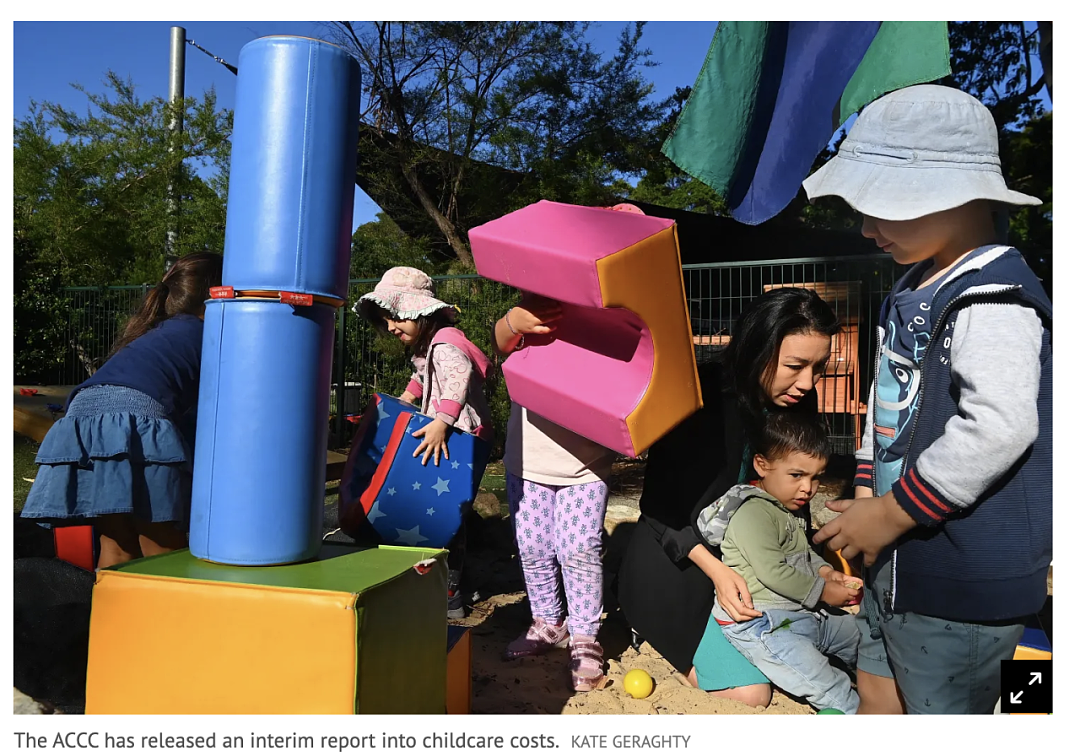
(351, 631)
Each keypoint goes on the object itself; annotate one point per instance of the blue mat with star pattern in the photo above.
(405, 502)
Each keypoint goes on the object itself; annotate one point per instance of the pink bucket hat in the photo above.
(405, 293)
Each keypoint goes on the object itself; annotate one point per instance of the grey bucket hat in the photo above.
(916, 151)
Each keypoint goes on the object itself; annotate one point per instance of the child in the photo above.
(448, 382)
(953, 500)
(557, 490)
(120, 459)
(763, 539)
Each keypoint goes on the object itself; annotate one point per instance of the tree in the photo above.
(90, 190)
(667, 185)
(994, 62)
(445, 101)
(381, 245)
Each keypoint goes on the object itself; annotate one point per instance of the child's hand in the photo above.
(535, 314)
(434, 435)
(838, 594)
(865, 526)
(848, 581)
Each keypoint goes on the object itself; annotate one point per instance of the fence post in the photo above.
(339, 378)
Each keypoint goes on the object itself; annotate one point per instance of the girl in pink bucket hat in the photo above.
(448, 380)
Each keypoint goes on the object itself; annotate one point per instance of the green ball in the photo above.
(830, 711)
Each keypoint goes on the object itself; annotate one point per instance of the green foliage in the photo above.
(1027, 160)
(381, 245)
(90, 190)
(91, 208)
(39, 314)
(453, 104)
(992, 60)
(664, 183)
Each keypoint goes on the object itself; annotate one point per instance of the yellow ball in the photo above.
(638, 683)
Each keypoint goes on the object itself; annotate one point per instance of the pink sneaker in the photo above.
(538, 639)
(586, 664)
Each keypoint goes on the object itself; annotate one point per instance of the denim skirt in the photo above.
(115, 451)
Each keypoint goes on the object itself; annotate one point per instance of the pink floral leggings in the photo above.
(558, 532)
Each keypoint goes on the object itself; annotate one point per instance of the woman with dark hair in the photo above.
(120, 458)
(778, 351)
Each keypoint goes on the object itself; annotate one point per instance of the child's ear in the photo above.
(761, 465)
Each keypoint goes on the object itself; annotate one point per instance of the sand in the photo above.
(540, 685)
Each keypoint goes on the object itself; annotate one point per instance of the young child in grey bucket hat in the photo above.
(952, 508)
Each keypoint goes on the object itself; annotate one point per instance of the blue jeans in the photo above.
(789, 648)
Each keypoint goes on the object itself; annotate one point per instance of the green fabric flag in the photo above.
(902, 54)
(770, 94)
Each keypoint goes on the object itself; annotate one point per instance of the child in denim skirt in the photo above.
(120, 458)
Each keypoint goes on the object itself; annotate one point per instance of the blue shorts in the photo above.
(940, 666)
(718, 664)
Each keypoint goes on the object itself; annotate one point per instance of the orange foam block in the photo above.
(620, 370)
(458, 670)
(348, 632)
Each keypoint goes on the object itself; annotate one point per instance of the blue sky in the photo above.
(50, 56)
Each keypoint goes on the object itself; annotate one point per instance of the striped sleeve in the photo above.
(864, 474)
(922, 501)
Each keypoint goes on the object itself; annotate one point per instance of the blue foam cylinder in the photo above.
(260, 451)
(291, 179)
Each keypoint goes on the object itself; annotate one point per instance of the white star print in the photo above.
(431, 511)
(391, 492)
(455, 465)
(410, 537)
(383, 414)
(442, 486)
(416, 486)
(375, 514)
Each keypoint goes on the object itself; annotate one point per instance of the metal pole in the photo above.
(177, 52)
(339, 376)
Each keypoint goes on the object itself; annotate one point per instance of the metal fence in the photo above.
(716, 294)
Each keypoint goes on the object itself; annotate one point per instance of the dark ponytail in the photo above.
(184, 289)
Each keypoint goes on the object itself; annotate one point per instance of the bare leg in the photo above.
(118, 540)
(878, 695)
(160, 538)
(758, 694)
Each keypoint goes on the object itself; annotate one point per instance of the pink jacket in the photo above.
(450, 382)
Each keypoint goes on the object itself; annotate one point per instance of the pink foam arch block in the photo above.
(620, 368)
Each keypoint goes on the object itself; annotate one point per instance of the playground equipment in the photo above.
(620, 370)
(260, 616)
(257, 495)
(405, 502)
(353, 631)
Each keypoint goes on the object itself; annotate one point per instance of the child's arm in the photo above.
(535, 314)
(864, 455)
(453, 370)
(414, 391)
(995, 365)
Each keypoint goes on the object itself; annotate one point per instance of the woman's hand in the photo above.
(731, 590)
(434, 435)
